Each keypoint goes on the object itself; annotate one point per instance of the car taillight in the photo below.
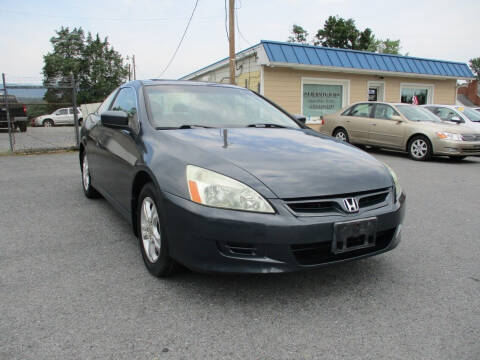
(24, 109)
(322, 120)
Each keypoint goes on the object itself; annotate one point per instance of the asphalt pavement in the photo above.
(73, 284)
(38, 138)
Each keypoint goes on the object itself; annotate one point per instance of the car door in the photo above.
(61, 116)
(70, 118)
(386, 130)
(358, 122)
(117, 151)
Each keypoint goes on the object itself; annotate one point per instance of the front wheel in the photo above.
(89, 191)
(48, 123)
(341, 134)
(152, 234)
(420, 148)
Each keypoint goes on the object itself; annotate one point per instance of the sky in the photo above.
(151, 29)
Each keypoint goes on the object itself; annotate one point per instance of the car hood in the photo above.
(446, 126)
(291, 163)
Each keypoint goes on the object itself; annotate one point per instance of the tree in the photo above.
(96, 67)
(475, 66)
(298, 35)
(340, 33)
(387, 46)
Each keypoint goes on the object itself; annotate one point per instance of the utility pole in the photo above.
(134, 69)
(231, 38)
(9, 121)
(75, 115)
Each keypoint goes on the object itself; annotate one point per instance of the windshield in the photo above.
(473, 115)
(174, 106)
(416, 113)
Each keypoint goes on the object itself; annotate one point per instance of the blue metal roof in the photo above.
(283, 52)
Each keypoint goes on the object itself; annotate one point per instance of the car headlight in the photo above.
(449, 136)
(212, 189)
(396, 182)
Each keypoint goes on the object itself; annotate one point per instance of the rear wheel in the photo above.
(89, 191)
(341, 134)
(22, 126)
(152, 234)
(48, 123)
(420, 148)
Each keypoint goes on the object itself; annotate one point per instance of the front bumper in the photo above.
(214, 240)
(459, 148)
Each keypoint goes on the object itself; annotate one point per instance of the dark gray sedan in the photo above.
(217, 178)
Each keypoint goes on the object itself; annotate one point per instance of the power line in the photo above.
(226, 29)
(239, 32)
(180, 43)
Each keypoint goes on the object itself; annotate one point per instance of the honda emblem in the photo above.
(351, 205)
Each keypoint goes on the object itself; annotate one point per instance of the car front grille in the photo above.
(318, 253)
(471, 137)
(333, 204)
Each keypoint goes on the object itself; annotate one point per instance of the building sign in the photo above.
(321, 99)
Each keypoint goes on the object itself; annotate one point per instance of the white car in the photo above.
(63, 116)
(458, 114)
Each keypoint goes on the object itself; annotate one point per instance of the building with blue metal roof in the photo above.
(316, 80)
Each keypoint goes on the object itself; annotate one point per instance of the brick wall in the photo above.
(471, 92)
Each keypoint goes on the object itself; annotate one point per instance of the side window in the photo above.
(70, 111)
(361, 110)
(126, 101)
(446, 113)
(106, 103)
(383, 111)
(62, 112)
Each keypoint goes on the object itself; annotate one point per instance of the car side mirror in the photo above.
(396, 118)
(300, 118)
(114, 119)
(456, 119)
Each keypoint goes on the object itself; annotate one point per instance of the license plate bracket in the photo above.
(354, 235)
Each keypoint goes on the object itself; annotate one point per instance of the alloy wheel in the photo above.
(150, 230)
(341, 136)
(85, 173)
(419, 148)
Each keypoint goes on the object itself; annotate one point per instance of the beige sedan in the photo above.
(403, 127)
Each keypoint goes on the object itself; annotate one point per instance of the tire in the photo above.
(341, 134)
(80, 122)
(22, 126)
(48, 123)
(457, 158)
(420, 148)
(89, 191)
(152, 235)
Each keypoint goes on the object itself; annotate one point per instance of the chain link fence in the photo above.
(28, 123)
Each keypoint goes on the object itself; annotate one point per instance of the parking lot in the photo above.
(73, 284)
(39, 138)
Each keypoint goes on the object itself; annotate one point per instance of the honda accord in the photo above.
(217, 178)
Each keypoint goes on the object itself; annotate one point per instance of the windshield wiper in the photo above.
(193, 126)
(267, 125)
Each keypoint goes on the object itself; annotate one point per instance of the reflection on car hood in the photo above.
(292, 163)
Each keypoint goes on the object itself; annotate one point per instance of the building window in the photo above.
(423, 93)
(323, 96)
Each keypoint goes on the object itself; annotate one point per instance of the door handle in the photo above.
(373, 124)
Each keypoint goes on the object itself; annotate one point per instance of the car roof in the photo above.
(150, 82)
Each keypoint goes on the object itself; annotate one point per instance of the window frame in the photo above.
(370, 116)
